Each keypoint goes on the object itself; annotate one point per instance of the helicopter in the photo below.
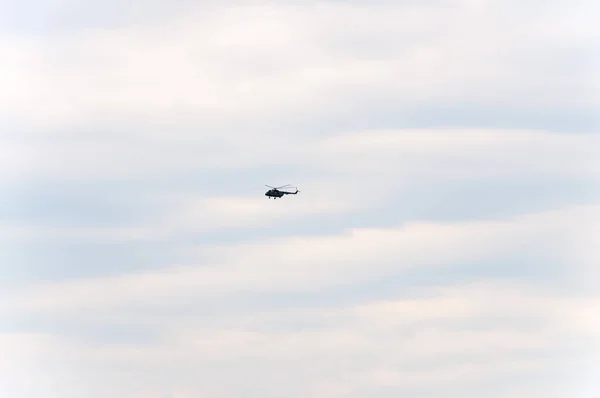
(275, 192)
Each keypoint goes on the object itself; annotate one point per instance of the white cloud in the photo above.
(16, 162)
(311, 263)
(163, 98)
(499, 330)
(456, 336)
(184, 215)
(350, 163)
(251, 62)
(463, 154)
(583, 246)
(254, 212)
(224, 86)
(24, 358)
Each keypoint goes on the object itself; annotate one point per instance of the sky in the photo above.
(443, 243)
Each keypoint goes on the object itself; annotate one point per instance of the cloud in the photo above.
(358, 158)
(311, 263)
(466, 153)
(257, 62)
(186, 215)
(445, 338)
(443, 243)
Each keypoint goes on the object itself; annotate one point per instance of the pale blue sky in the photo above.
(442, 245)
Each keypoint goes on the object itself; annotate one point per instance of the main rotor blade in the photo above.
(283, 186)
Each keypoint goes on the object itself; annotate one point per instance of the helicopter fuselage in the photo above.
(275, 193)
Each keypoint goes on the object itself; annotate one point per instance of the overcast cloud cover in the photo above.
(444, 242)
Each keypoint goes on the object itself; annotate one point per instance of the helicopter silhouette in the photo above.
(275, 192)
